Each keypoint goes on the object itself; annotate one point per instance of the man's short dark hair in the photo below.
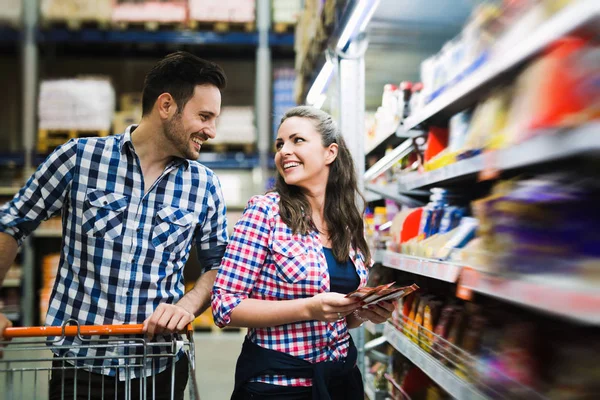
(178, 74)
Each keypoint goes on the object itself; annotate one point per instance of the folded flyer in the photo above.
(373, 295)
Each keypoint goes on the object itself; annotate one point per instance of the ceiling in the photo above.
(404, 32)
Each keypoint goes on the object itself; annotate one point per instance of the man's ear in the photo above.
(331, 153)
(166, 106)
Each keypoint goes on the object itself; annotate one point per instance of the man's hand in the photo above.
(4, 323)
(168, 318)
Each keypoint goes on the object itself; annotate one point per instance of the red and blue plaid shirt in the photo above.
(265, 260)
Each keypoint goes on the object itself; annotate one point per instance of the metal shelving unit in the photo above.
(443, 271)
(566, 297)
(439, 373)
(57, 35)
(576, 16)
(563, 297)
(547, 147)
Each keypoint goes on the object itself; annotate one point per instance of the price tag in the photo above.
(468, 279)
(490, 169)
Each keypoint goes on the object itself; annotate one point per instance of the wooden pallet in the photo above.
(75, 24)
(149, 25)
(284, 27)
(48, 139)
(247, 148)
(221, 26)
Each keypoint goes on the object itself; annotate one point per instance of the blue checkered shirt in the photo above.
(124, 244)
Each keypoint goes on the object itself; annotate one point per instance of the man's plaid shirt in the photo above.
(125, 243)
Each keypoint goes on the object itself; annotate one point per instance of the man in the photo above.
(131, 205)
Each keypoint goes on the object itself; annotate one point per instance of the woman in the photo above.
(293, 256)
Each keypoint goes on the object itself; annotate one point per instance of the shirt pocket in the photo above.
(172, 228)
(103, 214)
(291, 259)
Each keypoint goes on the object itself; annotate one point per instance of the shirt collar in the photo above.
(127, 144)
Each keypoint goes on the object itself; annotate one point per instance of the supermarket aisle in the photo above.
(215, 363)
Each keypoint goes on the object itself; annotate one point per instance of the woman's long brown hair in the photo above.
(342, 215)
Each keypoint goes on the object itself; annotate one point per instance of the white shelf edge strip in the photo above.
(565, 21)
(443, 376)
(546, 147)
(578, 302)
(570, 298)
(388, 160)
(388, 193)
(440, 270)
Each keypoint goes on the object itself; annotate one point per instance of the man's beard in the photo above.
(175, 135)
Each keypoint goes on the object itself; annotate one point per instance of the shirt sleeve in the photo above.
(243, 261)
(42, 196)
(212, 238)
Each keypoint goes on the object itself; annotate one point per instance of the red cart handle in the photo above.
(73, 330)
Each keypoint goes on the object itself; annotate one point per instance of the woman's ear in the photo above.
(331, 153)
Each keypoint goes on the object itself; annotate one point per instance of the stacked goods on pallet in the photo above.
(283, 94)
(136, 11)
(240, 11)
(10, 12)
(286, 11)
(50, 264)
(82, 104)
(70, 108)
(130, 105)
(235, 126)
(76, 10)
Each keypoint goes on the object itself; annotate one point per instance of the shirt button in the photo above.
(128, 293)
(139, 230)
(105, 202)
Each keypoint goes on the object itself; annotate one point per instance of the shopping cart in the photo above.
(26, 367)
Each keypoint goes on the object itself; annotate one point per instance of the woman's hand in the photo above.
(376, 313)
(330, 307)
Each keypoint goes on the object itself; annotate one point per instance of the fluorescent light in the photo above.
(365, 23)
(320, 101)
(319, 85)
(362, 14)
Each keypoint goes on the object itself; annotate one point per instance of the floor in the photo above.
(216, 354)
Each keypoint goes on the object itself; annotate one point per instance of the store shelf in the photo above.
(392, 139)
(142, 36)
(440, 270)
(568, 297)
(229, 160)
(171, 37)
(577, 15)
(390, 192)
(281, 39)
(443, 376)
(546, 147)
